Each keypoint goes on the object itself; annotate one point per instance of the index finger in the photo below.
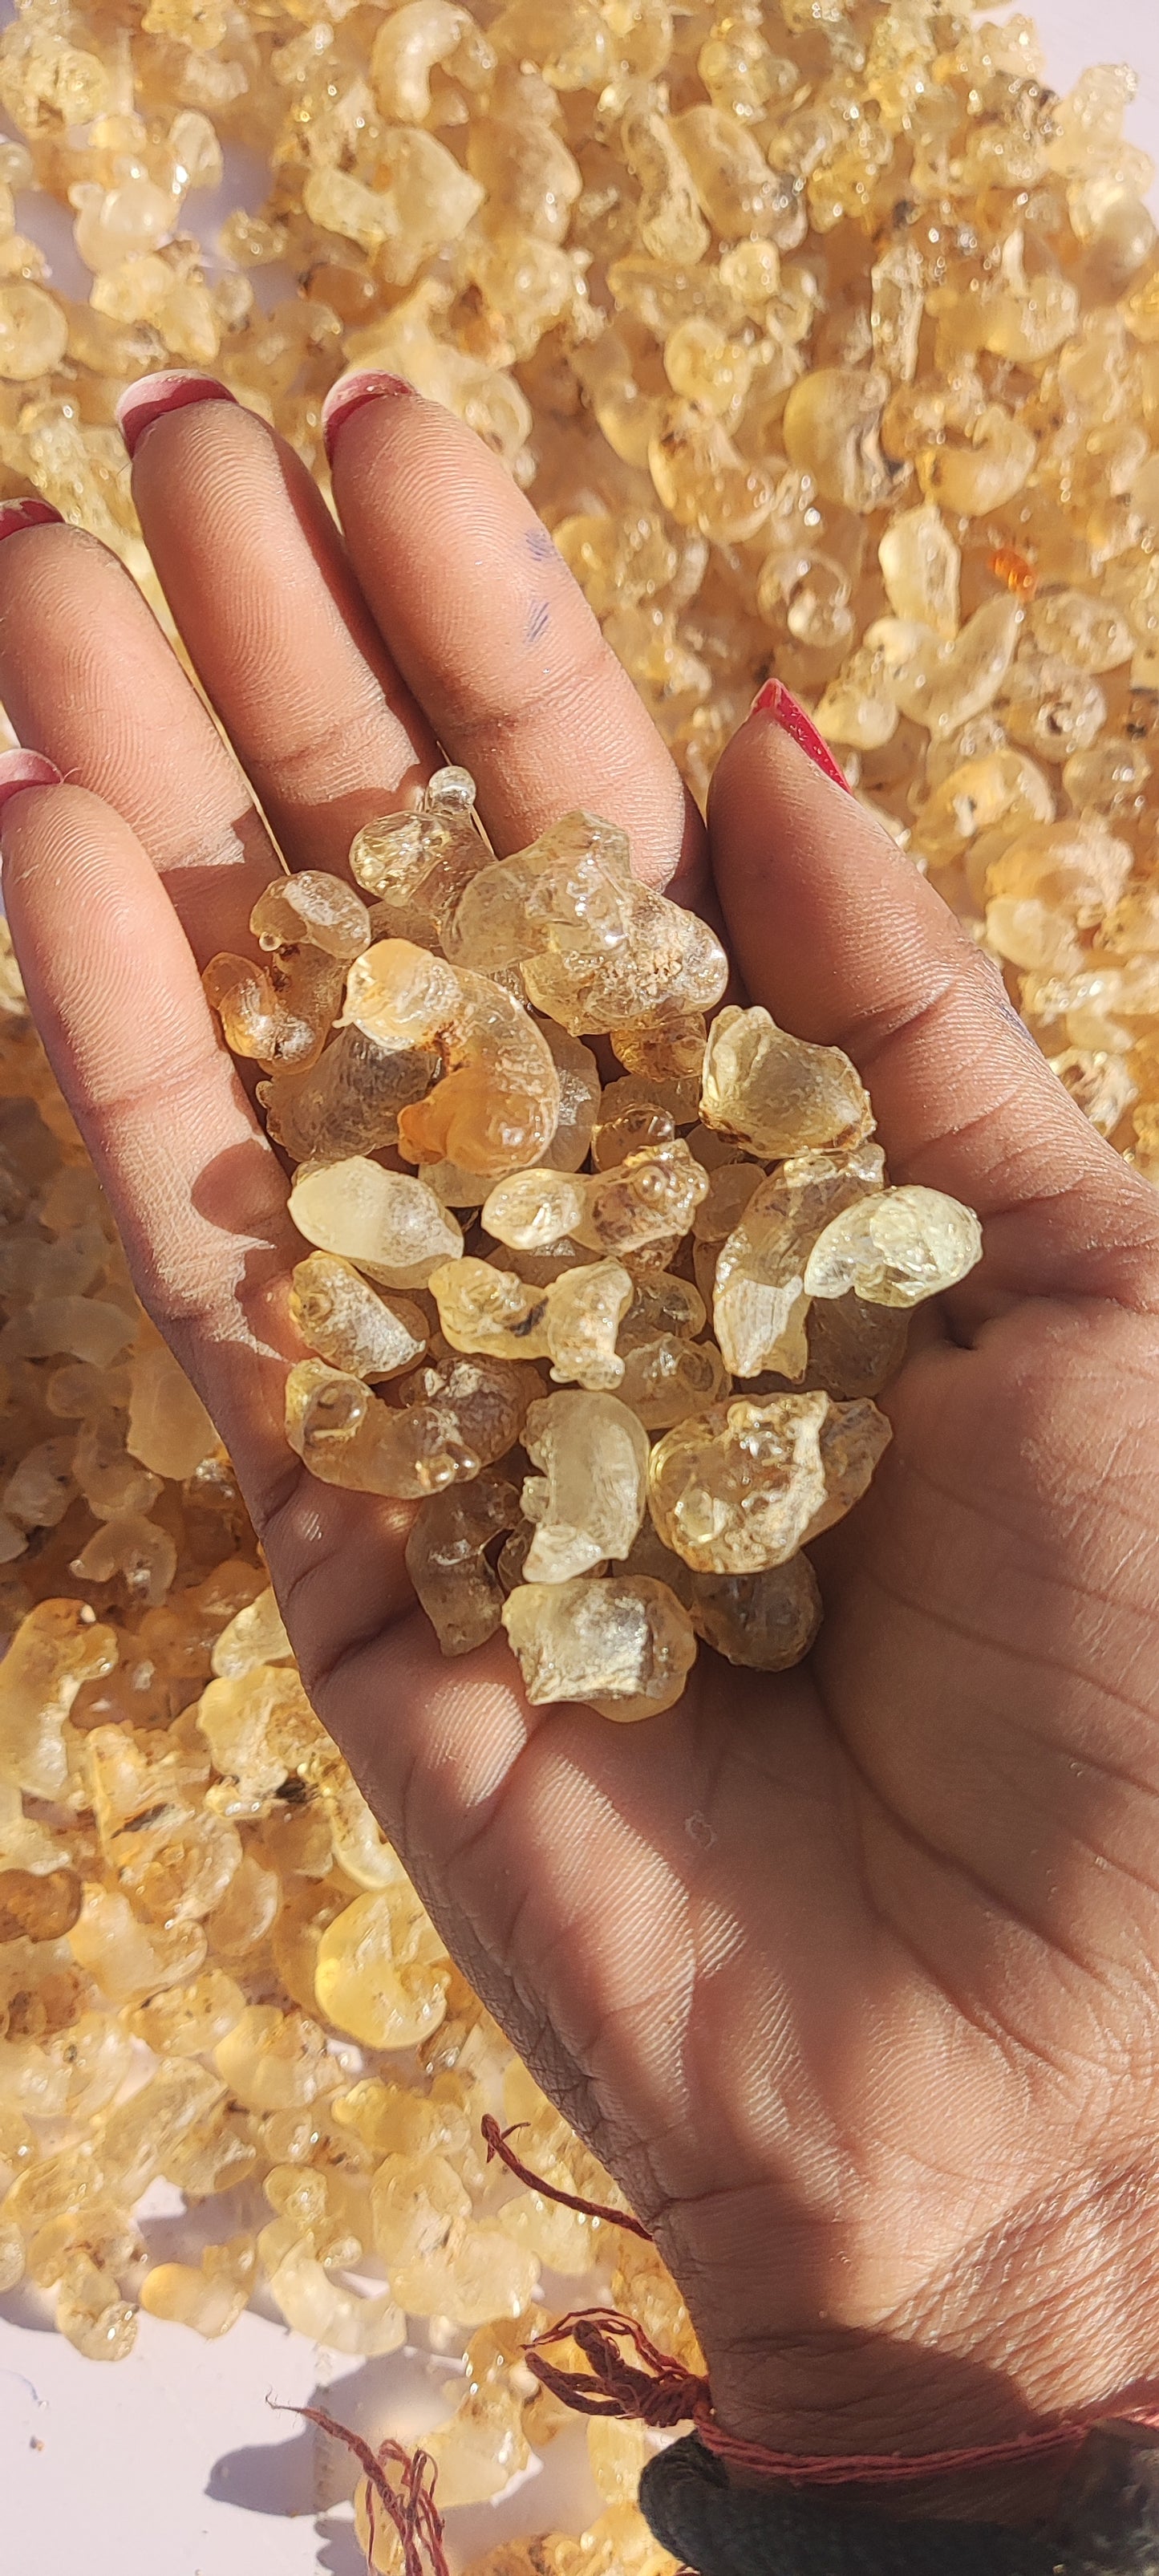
(198, 1195)
(88, 678)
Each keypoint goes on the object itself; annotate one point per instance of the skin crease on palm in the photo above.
(851, 1975)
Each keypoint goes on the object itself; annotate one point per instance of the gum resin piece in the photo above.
(416, 863)
(387, 1223)
(622, 1644)
(448, 1564)
(280, 1012)
(588, 1503)
(743, 1487)
(777, 1093)
(667, 1379)
(896, 1250)
(313, 907)
(596, 947)
(497, 1105)
(348, 1102)
(345, 1321)
(760, 1302)
(645, 1199)
(452, 1419)
(572, 1320)
(766, 1621)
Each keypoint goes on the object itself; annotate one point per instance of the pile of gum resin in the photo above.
(825, 339)
(522, 1257)
(214, 1973)
(822, 333)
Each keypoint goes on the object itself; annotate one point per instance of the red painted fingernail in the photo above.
(21, 769)
(32, 513)
(352, 393)
(775, 700)
(172, 389)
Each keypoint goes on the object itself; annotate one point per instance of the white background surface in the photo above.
(171, 2464)
(1080, 32)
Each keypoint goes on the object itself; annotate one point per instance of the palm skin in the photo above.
(849, 1975)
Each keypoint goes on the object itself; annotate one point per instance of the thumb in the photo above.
(838, 935)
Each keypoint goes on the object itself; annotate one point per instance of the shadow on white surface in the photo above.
(313, 2474)
(27, 2308)
(340, 2553)
(309, 2473)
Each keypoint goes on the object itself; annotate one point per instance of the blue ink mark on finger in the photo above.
(538, 622)
(539, 545)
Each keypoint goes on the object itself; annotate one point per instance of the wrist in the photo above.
(825, 2403)
(1053, 2319)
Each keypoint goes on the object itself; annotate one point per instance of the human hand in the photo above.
(850, 1974)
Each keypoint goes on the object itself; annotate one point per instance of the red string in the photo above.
(653, 2389)
(630, 2380)
(496, 2143)
(409, 2501)
(663, 2393)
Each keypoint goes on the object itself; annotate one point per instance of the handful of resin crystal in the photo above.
(619, 1339)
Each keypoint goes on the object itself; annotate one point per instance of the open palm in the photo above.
(851, 1976)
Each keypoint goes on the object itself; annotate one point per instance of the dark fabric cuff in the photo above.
(1109, 2525)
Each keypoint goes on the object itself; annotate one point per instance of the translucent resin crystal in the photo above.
(777, 1094)
(743, 1487)
(623, 1644)
(895, 1250)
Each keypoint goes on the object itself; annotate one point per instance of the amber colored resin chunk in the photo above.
(621, 1643)
(745, 1486)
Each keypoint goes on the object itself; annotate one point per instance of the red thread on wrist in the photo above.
(653, 2389)
(656, 2390)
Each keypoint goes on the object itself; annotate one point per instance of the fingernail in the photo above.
(352, 393)
(153, 396)
(32, 513)
(775, 700)
(21, 769)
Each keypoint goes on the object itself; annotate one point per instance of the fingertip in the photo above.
(20, 770)
(775, 704)
(32, 512)
(151, 398)
(776, 792)
(352, 393)
(53, 834)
